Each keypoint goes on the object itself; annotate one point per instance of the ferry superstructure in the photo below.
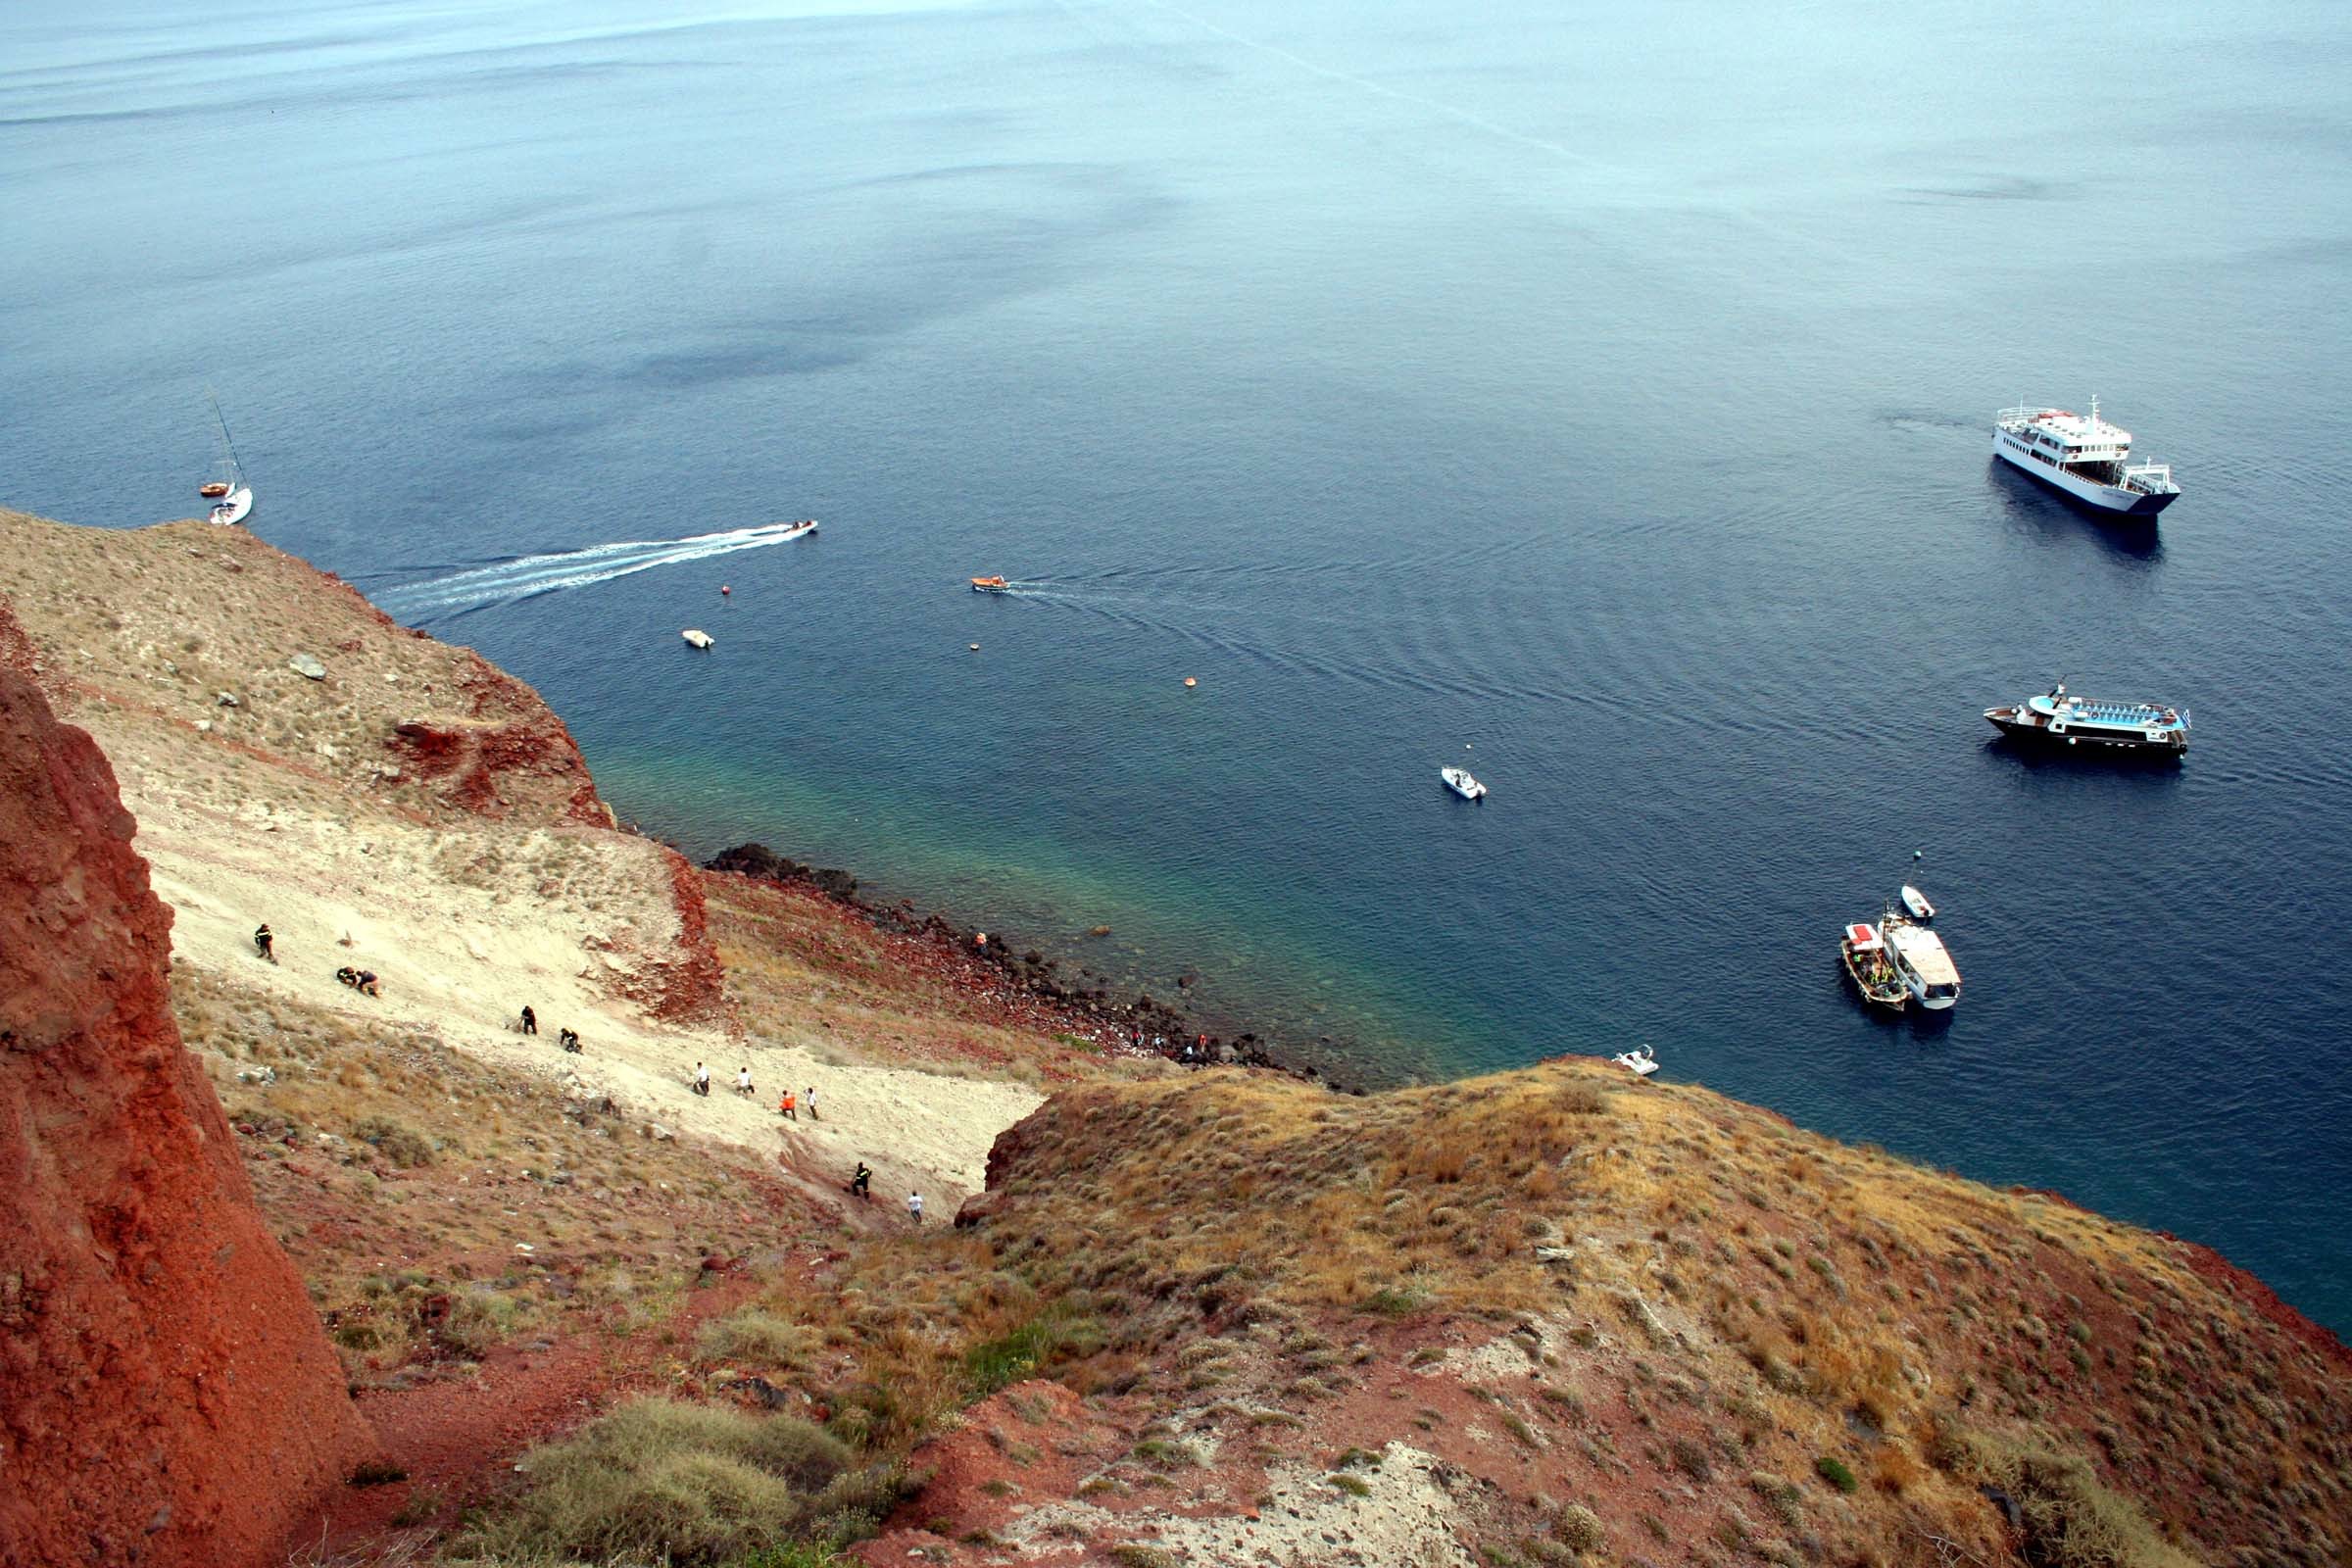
(2087, 458)
(2058, 719)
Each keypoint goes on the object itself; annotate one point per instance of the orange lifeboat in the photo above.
(991, 586)
(213, 491)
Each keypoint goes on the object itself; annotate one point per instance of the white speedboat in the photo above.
(2088, 459)
(697, 638)
(232, 497)
(1917, 902)
(1638, 1062)
(1921, 962)
(1458, 781)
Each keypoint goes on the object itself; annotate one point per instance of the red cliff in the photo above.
(167, 1394)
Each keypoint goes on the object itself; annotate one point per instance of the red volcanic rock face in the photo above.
(167, 1395)
(513, 756)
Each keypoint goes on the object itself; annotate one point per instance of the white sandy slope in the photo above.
(465, 924)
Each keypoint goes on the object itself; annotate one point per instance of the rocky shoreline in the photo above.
(1141, 1023)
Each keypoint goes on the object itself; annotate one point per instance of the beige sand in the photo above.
(466, 926)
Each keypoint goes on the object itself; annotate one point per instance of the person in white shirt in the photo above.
(809, 1100)
(702, 1079)
(743, 1081)
(914, 1208)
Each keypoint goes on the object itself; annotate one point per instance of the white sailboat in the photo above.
(232, 497)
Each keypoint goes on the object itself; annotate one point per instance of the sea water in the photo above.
(1595, 396)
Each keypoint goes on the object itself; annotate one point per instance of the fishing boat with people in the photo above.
(1458, 781)
(1864, 954)
(232, 497)
(1917, 957)
(2088, 459)
(991, 586)
(2055, 719)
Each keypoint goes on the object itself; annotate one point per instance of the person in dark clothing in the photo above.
(365, 983)
(348, 975)
(569, 1039)
(262, 943)
(530, 1022)
(862, 1183)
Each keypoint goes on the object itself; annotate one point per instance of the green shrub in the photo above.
(1578, 1528)
(1391, 1300)
(676, 1482)
(1008, 1359)
(403, 1146)
(2070, 1520)
(751, 1335)
(1834, 1472)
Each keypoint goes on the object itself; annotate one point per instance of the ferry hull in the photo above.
(2026, 732)
(2108, 498)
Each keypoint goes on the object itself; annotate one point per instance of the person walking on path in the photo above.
(809, 1100)
(262, 942)
(530, 1021)
(702, 1079)
(788, 1106)
(914, 1208)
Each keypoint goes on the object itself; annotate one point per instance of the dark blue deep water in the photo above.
(1602, 389)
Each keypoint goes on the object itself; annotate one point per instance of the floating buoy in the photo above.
(1189, 682)
(725, 588)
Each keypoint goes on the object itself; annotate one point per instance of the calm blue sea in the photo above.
(1596, 394)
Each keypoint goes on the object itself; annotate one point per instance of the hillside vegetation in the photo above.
(1218, 1316)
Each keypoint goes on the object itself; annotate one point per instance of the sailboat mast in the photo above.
(235, 469)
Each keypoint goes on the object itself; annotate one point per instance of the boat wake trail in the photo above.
(529, 576)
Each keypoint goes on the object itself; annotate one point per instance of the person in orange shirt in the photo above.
(789, 1106)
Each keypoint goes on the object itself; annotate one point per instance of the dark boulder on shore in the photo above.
(757, 860)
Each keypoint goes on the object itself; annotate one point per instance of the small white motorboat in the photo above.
(697, 639)
(1638, 1062)
(1917, 902)
(1458, 781)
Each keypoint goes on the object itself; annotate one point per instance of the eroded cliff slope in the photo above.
(165, 1392)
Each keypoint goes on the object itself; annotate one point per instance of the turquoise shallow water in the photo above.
(1605, 390)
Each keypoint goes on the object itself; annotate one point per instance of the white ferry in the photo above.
(2088, 459)
(2056, 719)
(1920, 962)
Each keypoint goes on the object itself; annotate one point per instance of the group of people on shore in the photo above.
(264, 945)
(789, 1106)
(861, 1188)
(568, 1039)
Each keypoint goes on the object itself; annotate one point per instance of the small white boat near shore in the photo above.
(1917, 902)
(232, 497)
(1458, 781)
(1638, 1062)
